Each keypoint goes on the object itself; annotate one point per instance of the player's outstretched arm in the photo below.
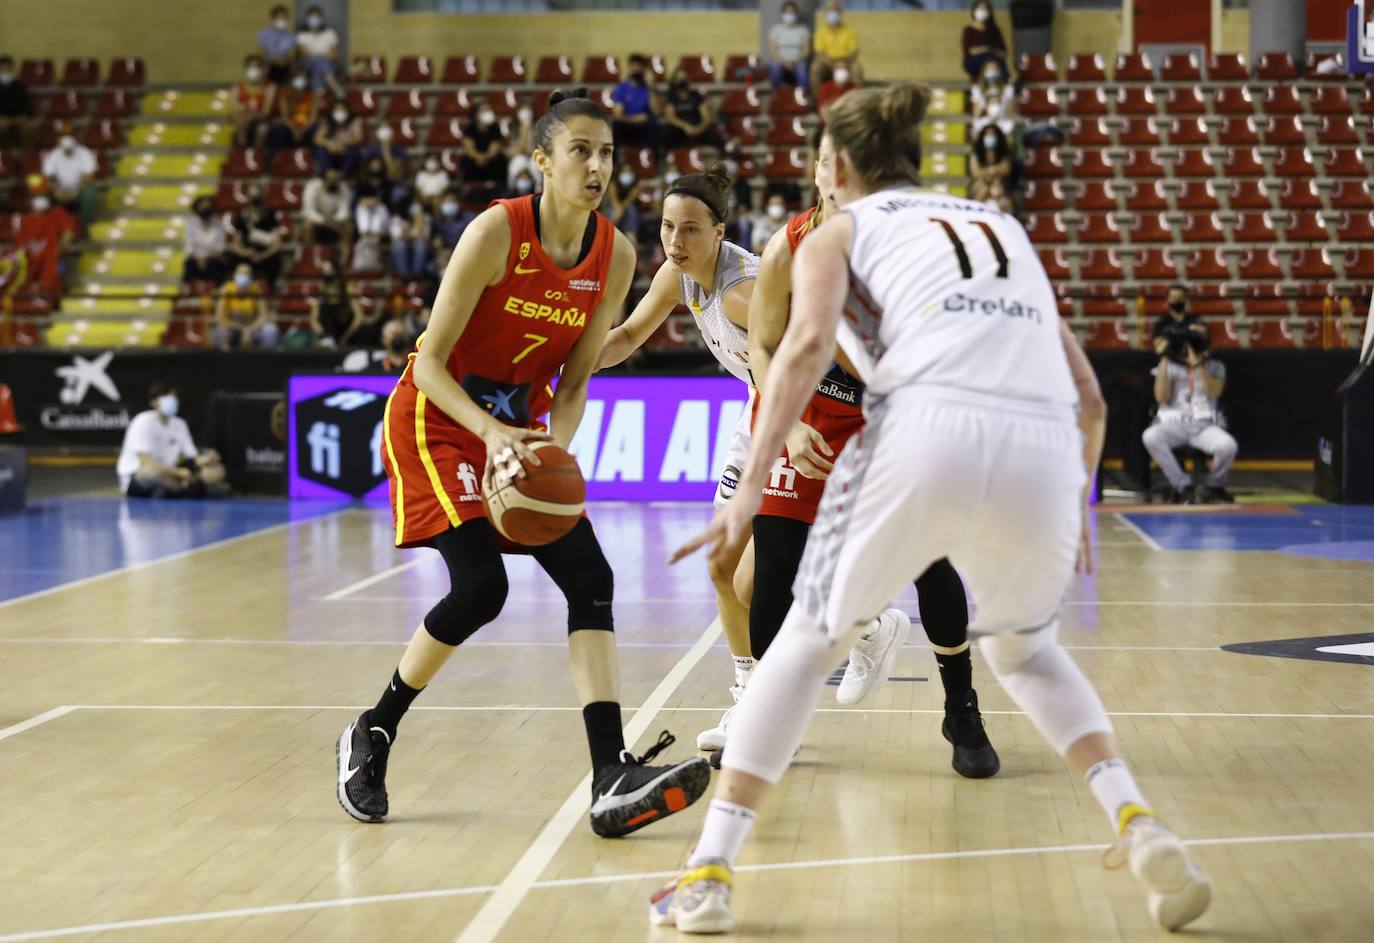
(653, 309)
(570, 399)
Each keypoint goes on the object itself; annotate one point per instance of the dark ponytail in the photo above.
(566, 103)
(711, 186)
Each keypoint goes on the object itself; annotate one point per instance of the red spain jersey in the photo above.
(519, 337)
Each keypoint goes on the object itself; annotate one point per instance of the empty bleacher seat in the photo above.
(1139, 132)
(1304, 226)
(1099, 228)
(1195, 162)
(1146, 196)
(116, 103)
(1046, 228)
(1203, 228)
(1188, 132)
(1312, 263)
(1249, 195)
(103, 134)
(462, 70)
(1331, 100)
(1101, 265)
(1095, 195)
(1337, 131)
(554, 70)
(1087, 101)
(294, 163)
(1131, 100)
(1227, 67)
(504, 101)
(364, 101)
(1359, 263)
(507, 69)
(1239, 131)
(1283, 131)
(1087, 132)
(1304, 195)
(1275, 67)
(1038, 102)
(699, 68)
(367, 70)
(786, 164)
(690, 160)
(37, 73)
(1094, 163)
(1133, 67)
(445, 132)
(1258, 263)
(787, 132)
(127, 73)
(1055, 263)
(1145, 163)
(81, 73)
(244, 162)
(644, 162)
(1281, 100)
(1344, 162)
(1181, 67)
(744, 129)
(407, 131)
(1254, 227)
(1207, 263)
(453, 104)
(1087, 67)
(414, 70)
(741, 101)
(1185, 101)
(744, 68)
(1348, 195)
(1235, 100)
(1197, 195)
(67, 103)
(283, 195)
(788, 101)
(1035, 68)
(1243, 162)
(1155, 264)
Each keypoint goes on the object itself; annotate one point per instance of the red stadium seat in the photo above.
(102, 134)
(1055, 263)
(462, 70)
(283, 195)
(1134, 101)
(1284, 131)
(1088, 132)
(307, 264)
(1146, 163)
(127, 73)
(658, 68)
(1047, 228)
(1139, 132)
(554, 70)
(1355, 227)
(1313, 263)
(414, 70)
(1346, 195)
(445, 132)
(645, 162)
(81, 73)
(67, 103)
(1275, 67)
(1203, 228)
(1185, 101)
(1254, 227)
(786, 164)
(744, 68)
(1094, 163)
(1189, 132)
(1099, 228)
(1038, 102)
(1233, 101)
(368, 70)
(1239, 131)
(1249, 195)
(1331, 100)
(1041, 196)
(364, 101)
(1195, 163)
(1359, 263)
(1087, 101)
(699, 68)
(741, 101)
(294, 163)
(787, 101)
(1209, 301)
(1156, 264)
(690, 160)
(786, 132)
(505, 102)
(1181, 67)
(451, 159)
(230, 196)
(244, 162)
(1101, 265)
(1281, 100)
(1304, 195)
(1197, 195)
(1265, 300)
(1244, 162)
(1228, 67)
(1260, 263)
(1314, 72)
(1344, 162)
(1304, 226)
(1133, 67)
(744, 130)
(37, 73)
(507, 70)
(407, 131)
(116, 103)
(454, 104)
(1037, 68)
(1094, 195)
(1087, 67)
(1208, 263)
(1337, 131)
(1145, 196)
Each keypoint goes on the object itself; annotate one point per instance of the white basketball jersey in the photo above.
(727, 340)
(949, 292)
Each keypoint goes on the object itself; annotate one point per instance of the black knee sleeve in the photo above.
(579, 568)
(944, 608)
(477, 583)
(778, 546)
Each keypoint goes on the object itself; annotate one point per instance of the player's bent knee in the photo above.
(1008, 652)
(469, 605)
(590, 595)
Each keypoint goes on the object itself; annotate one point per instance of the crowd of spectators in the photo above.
(992, 109)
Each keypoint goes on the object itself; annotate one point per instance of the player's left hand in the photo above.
(809, 453)
(1084, 563)
(729, 531)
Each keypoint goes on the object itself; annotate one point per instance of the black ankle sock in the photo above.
(956, 674)
(396, 700)
(605, 737)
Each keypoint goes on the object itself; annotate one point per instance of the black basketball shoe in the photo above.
(974, 757)
(361, 754)
(629, 795)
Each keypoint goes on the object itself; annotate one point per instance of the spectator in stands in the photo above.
(365, 329)
(297, 111)
(241, 314)
(277, 43)
(255, 102)
(773, 218)
(983, 42)
(203, 244)
(45, 233)
(339, 141)
(324, 209)
(318, 46)
(835, 46)
(396, 346)
(688, 115)
(410, 238)
(373, 223)
(484, 149)
(1187, 385)
(991, 165)
(621, 204)
(16, 108)
(70, 169)
(789, 42)
(386, 168)
(991, 96)
(841, 80)
(635, 107)
(333, 310)
(432, 182)
(524, 184)
(256, 237)
(522, 146)
(449, 224)
(158, 458)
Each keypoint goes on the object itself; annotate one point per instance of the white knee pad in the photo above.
(1044, 681)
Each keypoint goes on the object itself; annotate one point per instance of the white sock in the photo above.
(1113, 786)
(744, 667)
(727, 826)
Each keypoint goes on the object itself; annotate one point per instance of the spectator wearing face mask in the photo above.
(836, 46)
(520, 151)
(158, 458)
(45, 233)
(449, 224)
(621, 204)
(372, 221)
(789, 44)
(763, 225)
(385, 167)
(410, 239)
(256, 237)
(241, 315)
(333, 310)
(339, 141)
(432, 182)
(993, 101)
(324, 209)
(70, 170)
(318, 46)
(688, 115)
(297, 112)
(255, 101)
(16, 108)
(991, 162)
(277, 43)
(204, 243)
(396, 346)
(635, 108)
(484, 148)
(524, 184)
(841, 80)
(982, 42)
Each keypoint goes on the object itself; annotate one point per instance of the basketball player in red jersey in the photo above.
(529, 295)
(788, 510)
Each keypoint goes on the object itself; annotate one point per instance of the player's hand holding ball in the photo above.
(508, 448)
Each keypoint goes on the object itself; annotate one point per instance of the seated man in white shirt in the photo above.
(1187, 385)
(158, 458)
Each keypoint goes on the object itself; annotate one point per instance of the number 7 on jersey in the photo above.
(537, 339)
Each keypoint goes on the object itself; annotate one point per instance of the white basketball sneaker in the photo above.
(714, 739)
(1179, 891)
(873, 655)
(696, 901)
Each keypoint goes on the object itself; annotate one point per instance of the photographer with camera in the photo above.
(1187, 385)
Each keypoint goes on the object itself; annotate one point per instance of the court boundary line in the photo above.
(593, 880)
(179, 555)
(1135, 528)
(1185, 603)
(372, 580)
(36, 721)
(506, 899)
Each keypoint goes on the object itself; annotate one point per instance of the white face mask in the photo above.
(486, 118)
(300, 82)
(524, 185)
(989, 141)
(841, 76)
(670, 177)
(340, 116)
(168, 405)
(981, 15)
(449, 208)
(526, 115)
(432, 165)
(833, 18)
(6, 78)
(243, 282)
(68, 142)
(385, 134)
(281, 22)
(315, 21)
(253, 73)
(994, 109)
(627, 178)
(776, 211)
(789, 18)
(40, 204)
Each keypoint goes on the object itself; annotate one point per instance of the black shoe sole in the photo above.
(341, 791)
(983, 763)
(678, 789)
(715, 758)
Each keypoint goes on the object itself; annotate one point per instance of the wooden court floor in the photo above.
(167, 733)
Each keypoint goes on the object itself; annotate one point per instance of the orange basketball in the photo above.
(545, 504)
